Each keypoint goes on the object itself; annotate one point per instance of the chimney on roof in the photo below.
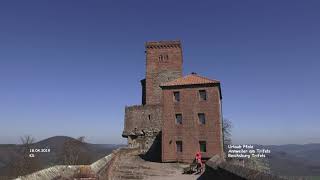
(194, 73)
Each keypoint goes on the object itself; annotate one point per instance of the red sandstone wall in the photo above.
(159, 71)
(190, 132)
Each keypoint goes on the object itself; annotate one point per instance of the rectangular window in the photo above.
(203, 95)
(203, 146)
(179, 118)
(176, 96)
(202, 118)
(179, 146)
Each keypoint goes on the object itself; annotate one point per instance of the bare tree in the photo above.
(74, 152)
(27, 140)
(24, 163)
(226, 130)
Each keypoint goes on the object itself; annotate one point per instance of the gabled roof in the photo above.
(191, 79)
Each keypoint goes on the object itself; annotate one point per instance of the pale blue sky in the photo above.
(70, 67)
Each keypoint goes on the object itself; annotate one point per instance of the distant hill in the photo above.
(89, 152)
(294, 160)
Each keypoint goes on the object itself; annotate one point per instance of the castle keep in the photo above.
(179, 115)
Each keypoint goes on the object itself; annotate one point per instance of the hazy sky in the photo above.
(70, 67)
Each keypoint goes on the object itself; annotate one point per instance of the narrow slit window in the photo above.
(176, 96)
(179, 146)
(179, 118)
(202, 118)
(203, 146)
(203, 95)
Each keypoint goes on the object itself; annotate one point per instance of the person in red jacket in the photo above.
(199, 161)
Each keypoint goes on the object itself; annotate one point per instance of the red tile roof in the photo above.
(191, 79)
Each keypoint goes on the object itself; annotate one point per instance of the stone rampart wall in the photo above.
(142, 118)
(222, 170)
(97, 170)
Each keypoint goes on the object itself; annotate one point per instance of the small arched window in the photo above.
(163, 58)
(160, 58)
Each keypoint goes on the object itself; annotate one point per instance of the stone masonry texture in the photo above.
(160, 70)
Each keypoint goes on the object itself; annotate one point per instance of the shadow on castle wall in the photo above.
(154, 152)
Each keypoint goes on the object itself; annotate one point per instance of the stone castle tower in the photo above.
(163, 64)
(178, 115)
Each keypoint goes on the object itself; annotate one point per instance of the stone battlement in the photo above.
(163, 44)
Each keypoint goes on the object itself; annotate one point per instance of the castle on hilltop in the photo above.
(179, 115)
